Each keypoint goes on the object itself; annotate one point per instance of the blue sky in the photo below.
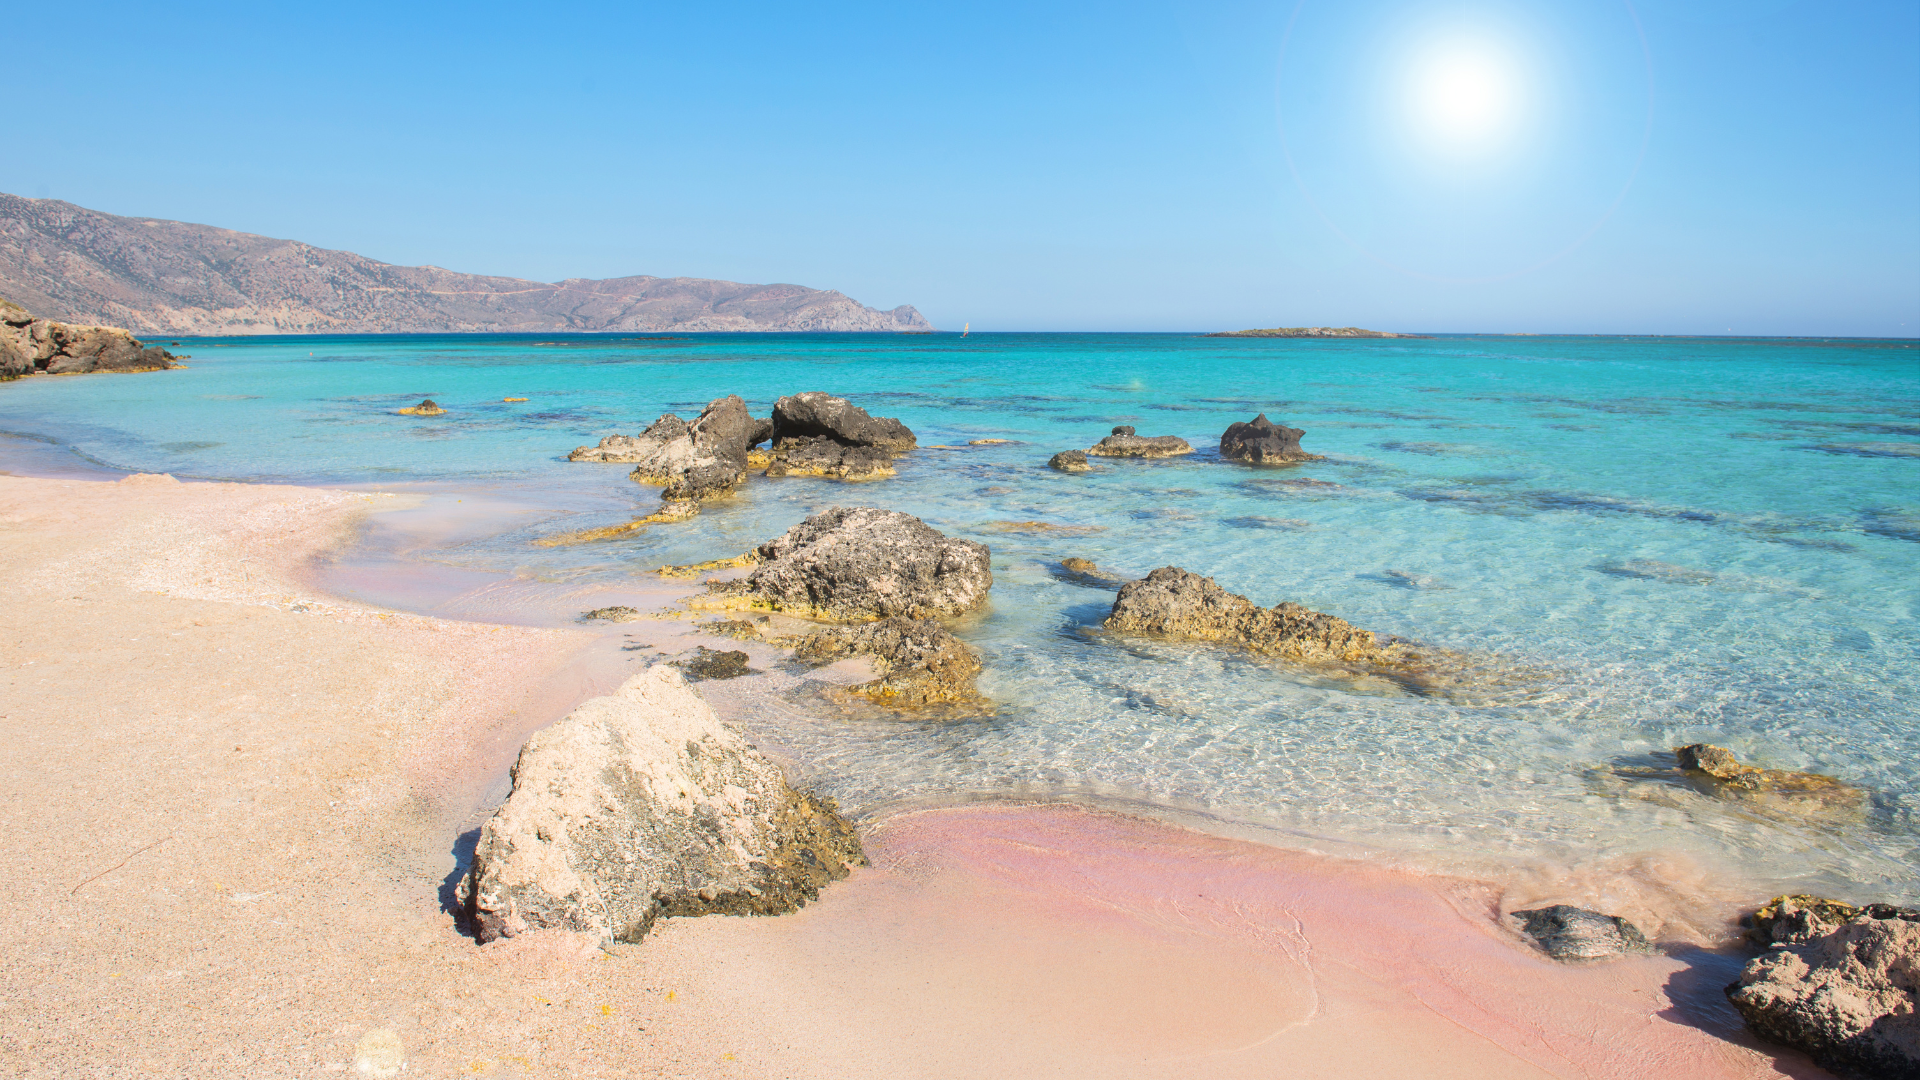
(1678, 166)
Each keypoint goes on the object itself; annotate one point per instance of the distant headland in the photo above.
(1314, 332)
(168, 277)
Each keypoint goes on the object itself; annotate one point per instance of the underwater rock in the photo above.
(1124, 443)
(616, 613)
(823, 456)
(861, 563)
(1174, 603)
(425, 408)
(815, 415)
(1849, 998)
(669, 513)
(1655, 570)
(643, 804)
(1713, 770)
(1571, 933)
(919, 662)
(1087, 572)
(1070, 461)
(714, 664)
(1263, 442)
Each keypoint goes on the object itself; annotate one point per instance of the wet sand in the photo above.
(227, 836)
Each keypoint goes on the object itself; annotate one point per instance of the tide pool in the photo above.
(1664, 540)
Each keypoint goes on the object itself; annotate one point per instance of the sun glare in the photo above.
(1463, 95)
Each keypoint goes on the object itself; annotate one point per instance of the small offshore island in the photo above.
(1313, 332)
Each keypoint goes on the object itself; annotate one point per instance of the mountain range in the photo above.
(66, 262)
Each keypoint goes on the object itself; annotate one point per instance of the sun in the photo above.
(1463, 94)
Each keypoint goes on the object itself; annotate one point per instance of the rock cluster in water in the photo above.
(642, 804)
(30, 346)
(427, 407)
(1570, 933)
(1124, 443)
(1174, 603)
(858, 564)
(812, 434)
(1837, 982)
(919, 661)
(1264, 442)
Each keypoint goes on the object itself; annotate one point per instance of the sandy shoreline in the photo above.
(232, 802)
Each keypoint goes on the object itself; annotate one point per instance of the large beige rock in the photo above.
(642, 804)
(1849, 998)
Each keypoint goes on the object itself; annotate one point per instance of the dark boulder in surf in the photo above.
(1570, 933)
(1264, 442)
(814, 414)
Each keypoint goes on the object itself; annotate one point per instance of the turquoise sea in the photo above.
(1657, 541)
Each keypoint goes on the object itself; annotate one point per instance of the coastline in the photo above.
(234, 797)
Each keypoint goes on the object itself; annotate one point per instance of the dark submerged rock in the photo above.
(616, 613)
(1070, 461)
(1571, 933)
(919, 661)
(1087, 572)
(1849, 997)
(862, 563)
(1263, 442)
(713, 664)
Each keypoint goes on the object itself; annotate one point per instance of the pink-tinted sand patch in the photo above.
(1054, 941)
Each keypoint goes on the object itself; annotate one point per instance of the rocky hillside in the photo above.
(168, 277)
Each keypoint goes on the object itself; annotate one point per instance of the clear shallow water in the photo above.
(1680, 539)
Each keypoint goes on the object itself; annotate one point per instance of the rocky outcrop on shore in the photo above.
(1840, 983)
(1264, 442)
(643, 804)
(859, 564)
(1569, 933)
(817, 434)
(1124, 443)
(30, 346)
(918, 660)
(1174, 603)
